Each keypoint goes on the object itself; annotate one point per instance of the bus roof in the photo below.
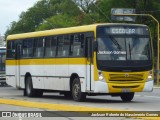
(59, 31)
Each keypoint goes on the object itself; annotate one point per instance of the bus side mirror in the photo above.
(95, 46)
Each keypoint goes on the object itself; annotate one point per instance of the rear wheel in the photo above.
(127, 97)
(30, 91)
(76, 91)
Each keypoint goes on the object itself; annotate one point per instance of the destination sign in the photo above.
(122, 30)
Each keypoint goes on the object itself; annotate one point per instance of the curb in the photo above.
(52, 106)
(156, 87)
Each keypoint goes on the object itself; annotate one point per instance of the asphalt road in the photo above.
(142, 101)
(149, 101)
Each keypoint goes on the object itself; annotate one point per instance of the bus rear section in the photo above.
(2, 66)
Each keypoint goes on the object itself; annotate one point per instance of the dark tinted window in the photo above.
(11, 49)
(50, 46)
(63, 46)
(27, 48)
(77, 45)
(38, 47)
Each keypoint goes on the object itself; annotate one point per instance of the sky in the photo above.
(10, 11)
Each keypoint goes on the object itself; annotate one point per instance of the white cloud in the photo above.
(10, 11)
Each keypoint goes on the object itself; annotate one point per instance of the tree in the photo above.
(84, 5)
(58, 21)
(49, 14)
(32, 19)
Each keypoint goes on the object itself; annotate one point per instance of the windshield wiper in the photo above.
(129, 50)
(115, 42)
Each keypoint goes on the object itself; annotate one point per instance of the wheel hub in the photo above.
(76, 89)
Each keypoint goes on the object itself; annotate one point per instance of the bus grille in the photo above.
(126, 77)
(135, 86)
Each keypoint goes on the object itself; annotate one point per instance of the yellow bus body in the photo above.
(114, 82)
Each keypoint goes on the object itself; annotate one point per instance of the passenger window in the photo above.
(11, 49)
(38, 47)
(63, 46)
(77, 45)
(50, 47)
(27, 48)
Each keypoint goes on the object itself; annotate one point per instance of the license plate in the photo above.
(126, 90)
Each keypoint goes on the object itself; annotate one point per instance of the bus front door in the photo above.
(90, 81)
(17, 69)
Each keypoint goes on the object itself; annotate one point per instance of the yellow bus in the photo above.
(100, 59)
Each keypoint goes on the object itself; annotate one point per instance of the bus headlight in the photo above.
(150, 75)
(101, 77)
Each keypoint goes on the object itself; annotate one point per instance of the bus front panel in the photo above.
(124, 59)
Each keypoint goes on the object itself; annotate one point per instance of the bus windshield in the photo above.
(124, 48)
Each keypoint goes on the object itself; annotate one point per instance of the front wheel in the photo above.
(30, 92)
(76, 91)
(127, 97)
(67, 94)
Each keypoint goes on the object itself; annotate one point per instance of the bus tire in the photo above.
(30, 91)
(127, 97)
(24, 92)
(38, 93)
(76, 91)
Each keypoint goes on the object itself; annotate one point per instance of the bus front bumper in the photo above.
(103, 87)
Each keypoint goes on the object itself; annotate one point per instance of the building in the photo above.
(2, 42)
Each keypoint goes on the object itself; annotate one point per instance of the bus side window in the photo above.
(27, 48)
(77, 45)
(11, 49)
(63, 46)
(38, 47)
(50, 47)
(24, 53)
